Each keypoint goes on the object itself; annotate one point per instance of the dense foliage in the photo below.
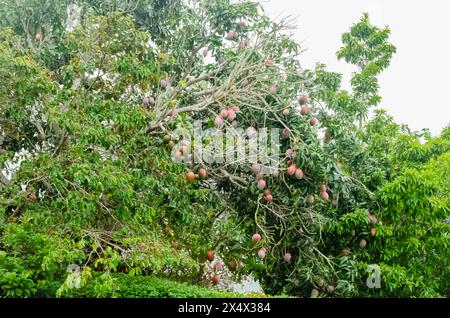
(93, 94)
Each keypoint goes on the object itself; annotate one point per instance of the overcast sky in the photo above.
(416, 86)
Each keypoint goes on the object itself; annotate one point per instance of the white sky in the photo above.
(415, 86)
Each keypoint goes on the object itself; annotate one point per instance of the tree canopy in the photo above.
(99, 189)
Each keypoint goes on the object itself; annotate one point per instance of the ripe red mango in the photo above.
(262, 252)
(202, 173)
(230, 35)
(224, 113)
(303, 99)
(304, 110)
(372, 219)
(261, 184)
(287, 257)
(286, 133)
(251, 132)
(256, 237)
(218, 122)
(362, 243)
(291, 170)
(216, 279)
(256, 168)
(310, 199)
(273, 89)
(299, 174)
(231, 114)
(232, 265)
(210, 256)
(148, 100)
(190, 176)
(313, 121)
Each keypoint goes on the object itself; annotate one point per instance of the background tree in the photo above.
(99, 186)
